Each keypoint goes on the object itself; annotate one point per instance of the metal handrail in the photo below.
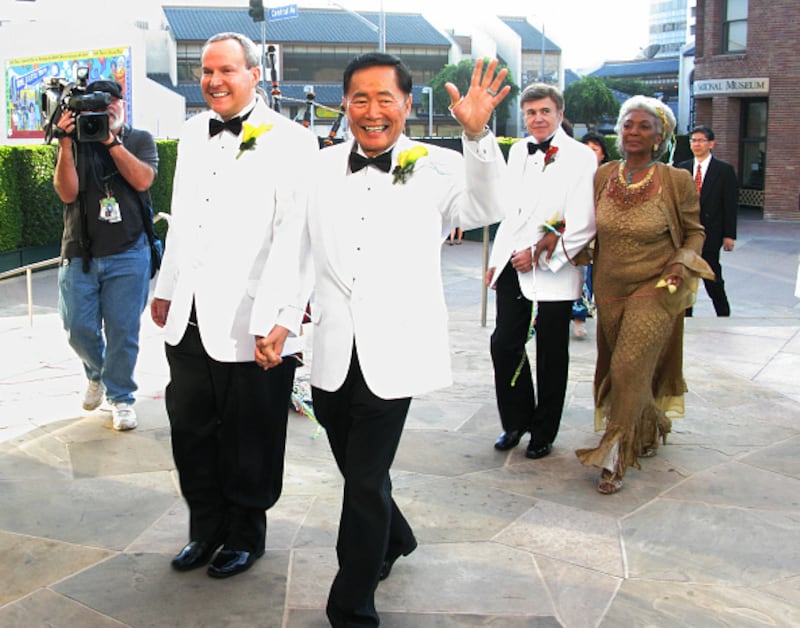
(54, 261)
(28, 270)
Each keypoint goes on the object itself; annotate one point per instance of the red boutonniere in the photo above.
(550, 156)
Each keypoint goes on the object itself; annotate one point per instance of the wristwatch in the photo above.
(479, 136)
(116, 142)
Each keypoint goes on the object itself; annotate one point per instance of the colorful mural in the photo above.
(27, 78)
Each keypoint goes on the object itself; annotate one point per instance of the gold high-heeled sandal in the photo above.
(609, 482)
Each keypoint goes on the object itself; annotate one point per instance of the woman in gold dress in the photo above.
(646, 267)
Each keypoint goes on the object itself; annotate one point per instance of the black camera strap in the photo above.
(82, 157)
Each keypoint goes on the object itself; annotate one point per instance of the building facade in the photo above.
(745, 87)
(671, 25)
(309, 52)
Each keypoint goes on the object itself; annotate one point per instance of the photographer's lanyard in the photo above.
(109, 207)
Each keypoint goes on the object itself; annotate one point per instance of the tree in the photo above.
(588, 101)
(461, 75)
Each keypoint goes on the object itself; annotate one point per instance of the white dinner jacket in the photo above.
(377, 258)
(536, 194)
(235, 227)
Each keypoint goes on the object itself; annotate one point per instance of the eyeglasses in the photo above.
(697, 140)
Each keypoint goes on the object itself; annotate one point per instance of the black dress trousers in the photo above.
(364, 432)
(228, 423)
(517, 403)
(716, 287)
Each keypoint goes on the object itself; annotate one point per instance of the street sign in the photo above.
(283, 13)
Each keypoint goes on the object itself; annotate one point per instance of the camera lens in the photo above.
(92, 127)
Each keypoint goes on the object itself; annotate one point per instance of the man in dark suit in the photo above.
(717, 185)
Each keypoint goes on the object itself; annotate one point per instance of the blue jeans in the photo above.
(101, 311)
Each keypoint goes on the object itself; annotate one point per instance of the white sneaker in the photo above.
(94, 395)
(124, 417)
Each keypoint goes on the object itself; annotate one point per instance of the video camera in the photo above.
(58, 95)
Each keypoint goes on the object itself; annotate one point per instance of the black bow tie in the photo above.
(381, 162)
(234, 125)
(544, 146)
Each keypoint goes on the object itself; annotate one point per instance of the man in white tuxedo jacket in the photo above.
(237, 212)
(550, 204)
(380, 330)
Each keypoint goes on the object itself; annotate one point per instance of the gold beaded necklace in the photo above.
(626, 194)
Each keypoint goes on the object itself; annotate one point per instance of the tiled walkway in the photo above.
(705, 534)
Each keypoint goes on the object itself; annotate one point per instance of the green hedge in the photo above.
(11, 219)
(44, 225)
(31, 214)
(161, 192)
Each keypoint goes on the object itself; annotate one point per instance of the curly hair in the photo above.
(664, 121)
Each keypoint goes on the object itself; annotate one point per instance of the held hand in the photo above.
(546, 245)
(269, 348)
(727, 244)
(159, 310)
(673, 280)
(474, 109)
(522, 261)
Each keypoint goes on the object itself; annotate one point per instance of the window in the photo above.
(754, 144)
(734, 28)
(188, 61)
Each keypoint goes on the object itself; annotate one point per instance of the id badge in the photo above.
(109, 210)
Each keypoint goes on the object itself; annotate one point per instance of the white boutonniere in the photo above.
(251, 133)
(406, 161)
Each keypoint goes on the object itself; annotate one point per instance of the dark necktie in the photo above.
(234, 125)
(532, 148)
(381, 162)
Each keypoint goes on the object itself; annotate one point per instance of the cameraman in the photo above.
(105, 271)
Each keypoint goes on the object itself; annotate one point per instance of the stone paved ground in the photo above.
(706, 534)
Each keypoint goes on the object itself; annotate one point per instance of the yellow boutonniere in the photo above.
(251, 133)
(406, 161)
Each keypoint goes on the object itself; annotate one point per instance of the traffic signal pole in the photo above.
(256, 11)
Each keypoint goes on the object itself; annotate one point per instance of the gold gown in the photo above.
(639, 381)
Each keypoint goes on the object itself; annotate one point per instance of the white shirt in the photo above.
(703, 167)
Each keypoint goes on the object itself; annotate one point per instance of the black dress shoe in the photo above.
(229, 562)
(194, 555)
(508, 440)
(386, 568)
(540, 451)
